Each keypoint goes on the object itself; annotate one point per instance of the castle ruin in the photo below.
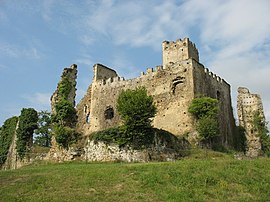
(173, 85)
(247, 105)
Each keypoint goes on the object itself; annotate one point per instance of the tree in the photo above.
(27, 124)
(136, 109)
(43, 131)
(259, 126)
(208, 127)
(204, 106)
(205, 110)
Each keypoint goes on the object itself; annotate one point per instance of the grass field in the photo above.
(202, 177)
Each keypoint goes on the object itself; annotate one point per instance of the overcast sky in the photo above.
(39, 38)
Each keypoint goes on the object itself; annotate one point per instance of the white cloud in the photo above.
(39, 101)
(15, 51)
(140, 23)
(85, 60)
(47, 10)
(123, 66)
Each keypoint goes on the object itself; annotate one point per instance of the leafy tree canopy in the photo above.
(204, 106)
(136, 108)
(205, 110)
(43, 131)
(27, 124)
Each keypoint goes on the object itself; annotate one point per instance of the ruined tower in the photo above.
(69, 73)
(247, 105)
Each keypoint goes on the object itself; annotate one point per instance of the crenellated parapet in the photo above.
(215, 77)
(106, 80)
(179, 50)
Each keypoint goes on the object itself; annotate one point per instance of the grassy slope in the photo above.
(200, 178)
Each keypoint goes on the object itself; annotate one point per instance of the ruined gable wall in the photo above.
(103, 72)
(208, 84)
(171, 89)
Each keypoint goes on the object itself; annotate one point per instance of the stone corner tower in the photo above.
(179, 50)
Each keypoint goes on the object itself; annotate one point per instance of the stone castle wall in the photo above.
(173, 86)
(209, 84)
(169, 87)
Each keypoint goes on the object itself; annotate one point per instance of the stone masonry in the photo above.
(173, 85)
(247, 105)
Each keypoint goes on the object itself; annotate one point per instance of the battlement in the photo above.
(179, 50)
(105, 81)
(214, 76)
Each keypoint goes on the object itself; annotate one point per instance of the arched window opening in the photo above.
(109, 113)
(87, 118)
(218, 95)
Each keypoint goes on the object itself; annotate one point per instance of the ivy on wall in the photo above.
(6, 134)
(259, 126)
(65, 117)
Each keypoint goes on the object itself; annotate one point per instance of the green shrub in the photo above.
(119, 137)
(205, 110)
(204, 106)
(111, 135)
(65, 136)
(65, 113)
(208, 127)
(260, 128)
(136, 109)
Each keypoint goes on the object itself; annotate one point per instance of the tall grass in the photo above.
(211, 178)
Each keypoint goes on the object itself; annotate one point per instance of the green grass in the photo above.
(208, 176)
